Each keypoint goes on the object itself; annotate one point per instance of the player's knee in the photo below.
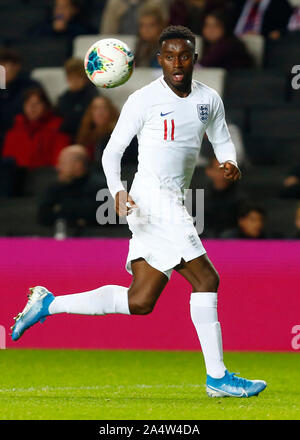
(208, 282)
(212, 281)
(139, 306)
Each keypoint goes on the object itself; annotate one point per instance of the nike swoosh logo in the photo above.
(243, 393)
(165, 114)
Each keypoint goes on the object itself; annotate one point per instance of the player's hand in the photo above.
(124, 204)
(231, 172)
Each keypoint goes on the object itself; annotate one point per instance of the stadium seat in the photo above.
(294, 3)
(199, 46)
(267, 150)
(254, 88)
(46, 52)
(236, 116)
(46, 3)
(83, 42)
(296, 98)
(95, 10)
(263, 181)
(18, 217)
(281, 122)
(256, 46)
(12, 3)
(280, 216)
(274, 135)
(52, 79)
(16, 25)
(212, 77)
(39, 180)
(283, 54)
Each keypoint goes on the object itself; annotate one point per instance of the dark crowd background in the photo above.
(52, 134)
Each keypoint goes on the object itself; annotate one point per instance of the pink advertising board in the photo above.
(259, 301)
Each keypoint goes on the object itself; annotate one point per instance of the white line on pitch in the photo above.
(98, 387)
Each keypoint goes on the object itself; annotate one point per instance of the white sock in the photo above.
(105, 299)
(205, 318)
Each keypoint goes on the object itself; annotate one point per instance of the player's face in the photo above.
(177, 58)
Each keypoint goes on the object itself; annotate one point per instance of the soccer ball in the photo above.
(109, 63)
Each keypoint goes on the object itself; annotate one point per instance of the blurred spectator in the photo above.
(220, 47)
(222, 199)
(67, 19)
(121, 16)
(191, 13)
(291, 184)
(97, 125)
(297, 222)
(73, 197)
(34, 140)
(73, 103)
(265, 17)
(151, 23)
(250, 222)
(16, 83)
(294, 22)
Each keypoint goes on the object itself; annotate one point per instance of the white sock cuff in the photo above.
(121, 301)
(204, 299)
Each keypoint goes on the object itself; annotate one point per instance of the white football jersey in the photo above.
(170, 130)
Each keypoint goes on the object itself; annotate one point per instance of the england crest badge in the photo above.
(203, 112)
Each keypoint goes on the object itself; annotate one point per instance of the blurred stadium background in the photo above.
(48, 230)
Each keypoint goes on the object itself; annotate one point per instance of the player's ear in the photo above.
(195, 58)
(158, 57)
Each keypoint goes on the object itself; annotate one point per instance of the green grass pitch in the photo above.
(100, 385)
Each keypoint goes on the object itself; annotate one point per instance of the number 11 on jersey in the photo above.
(169, 134)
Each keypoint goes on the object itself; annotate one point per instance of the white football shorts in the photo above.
(162, 230)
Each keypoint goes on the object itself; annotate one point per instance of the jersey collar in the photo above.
(170, 91)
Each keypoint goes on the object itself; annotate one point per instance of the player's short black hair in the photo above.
(173, 32)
